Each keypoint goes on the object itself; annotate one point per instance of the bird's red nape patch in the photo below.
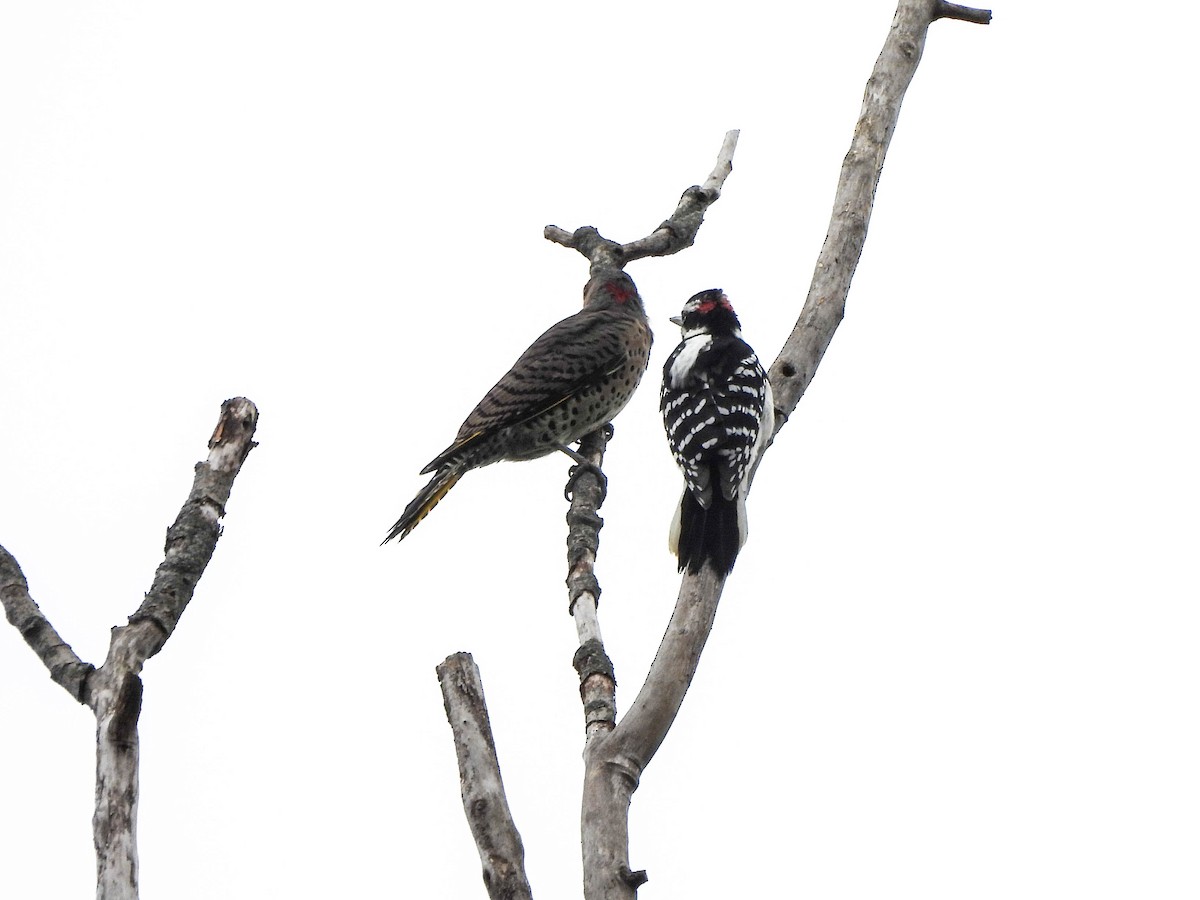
(706, 307)
(620, 293)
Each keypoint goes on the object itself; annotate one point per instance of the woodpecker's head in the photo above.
(708, 312)
(613, 288)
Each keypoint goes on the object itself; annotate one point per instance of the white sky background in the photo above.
(958, 657)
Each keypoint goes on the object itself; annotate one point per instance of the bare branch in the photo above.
(66, 668)
(724, 166)
(945, 10)
(114, 692)
(675, 234)
(597, 682)
(609, 781)
(825, 305)
(608, 785)
(483, 797)
(597, 687)
(190, 542)
(584, 524)
(118, 704)
(492, 826)
(615, 762)
(641, 730)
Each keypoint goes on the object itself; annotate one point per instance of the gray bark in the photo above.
(484, 802)
(597, 681)
(617, 753)
(613, 765)
(479, 772)
(825, 304)
(66, 668)
(615, 762)
(677, 233)
(114, 691)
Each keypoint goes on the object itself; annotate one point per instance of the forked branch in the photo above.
(114, 691)
(597, 681)
(478, 770)
(677, 233)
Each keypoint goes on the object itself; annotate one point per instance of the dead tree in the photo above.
(617, 751)
(114, 690)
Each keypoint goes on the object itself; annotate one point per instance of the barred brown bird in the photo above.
(572, 380)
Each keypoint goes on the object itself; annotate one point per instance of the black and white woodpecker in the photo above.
(572, 380)
(719, 413)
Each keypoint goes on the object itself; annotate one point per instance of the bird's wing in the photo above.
(741, 398)
(570, 356)
(723, 423)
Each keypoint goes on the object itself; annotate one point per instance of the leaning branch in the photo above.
(492, 826)
(66, 668)
(614, 765)
(191, 540)
(825, 305)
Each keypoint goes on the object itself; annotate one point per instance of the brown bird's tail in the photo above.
(438, 487)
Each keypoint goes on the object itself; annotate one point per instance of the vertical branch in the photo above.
(492, 826)
(597, 680)
(483, 795)
(608, 784)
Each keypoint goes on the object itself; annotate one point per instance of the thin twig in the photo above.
(945, 10)
(677, 233)
(597, 681)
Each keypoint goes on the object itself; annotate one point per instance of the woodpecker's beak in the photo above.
(677, 320)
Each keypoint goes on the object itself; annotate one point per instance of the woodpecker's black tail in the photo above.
(438, 487)
(713, 535)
